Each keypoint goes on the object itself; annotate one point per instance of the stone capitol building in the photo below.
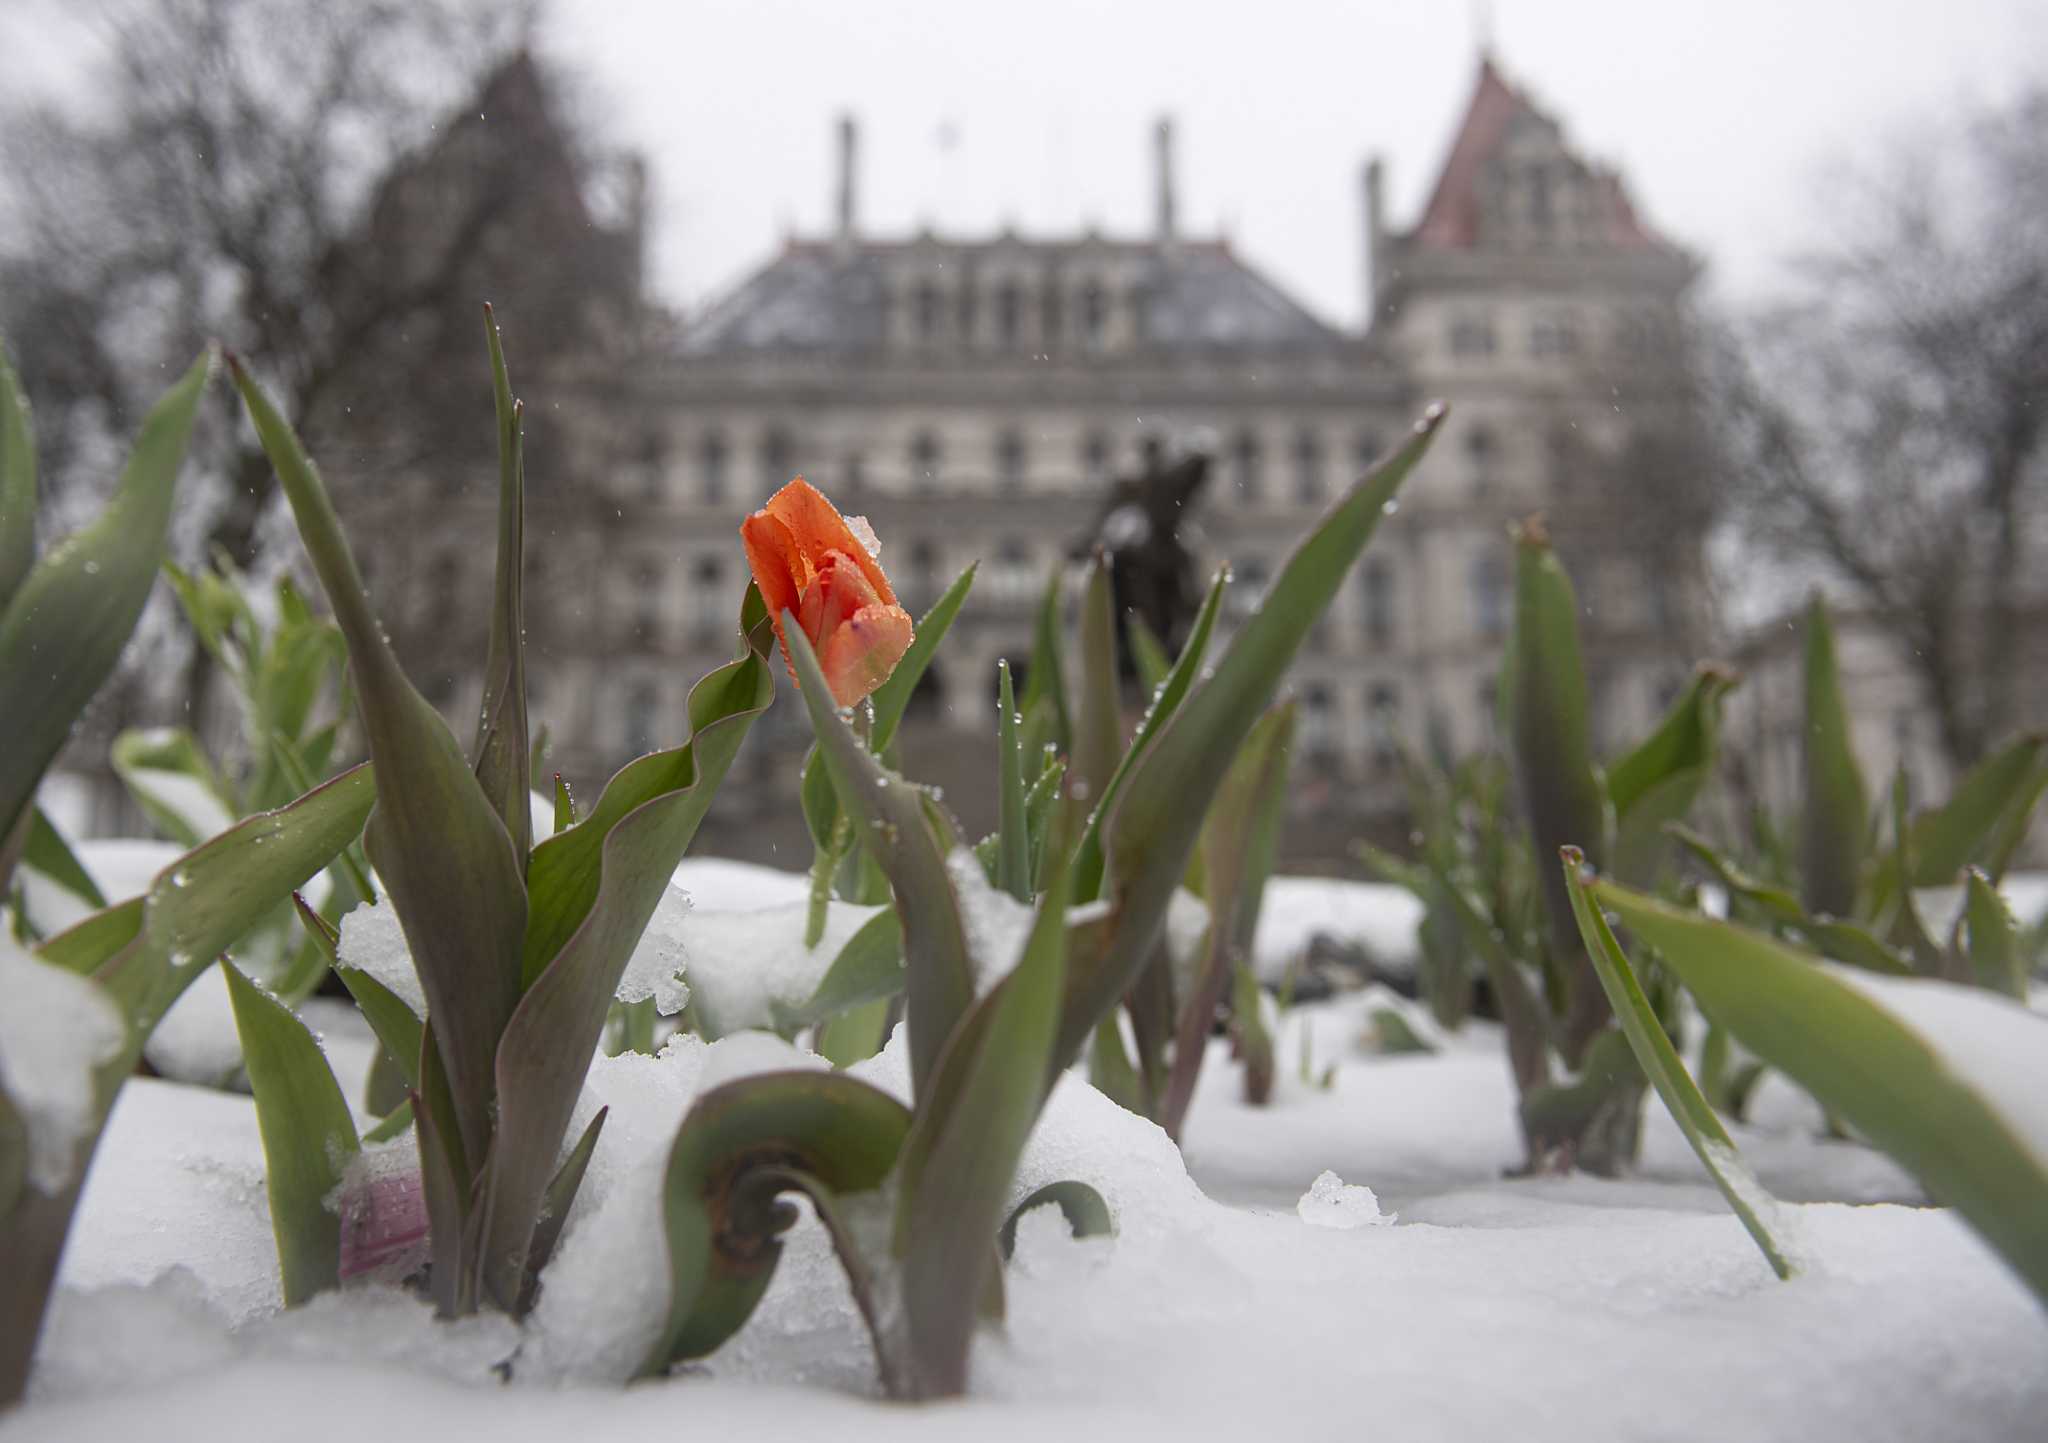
(974, 395)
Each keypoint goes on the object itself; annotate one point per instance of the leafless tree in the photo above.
(304, 180)
(1886, 424)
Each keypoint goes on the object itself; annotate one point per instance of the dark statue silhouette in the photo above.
(1142, 528)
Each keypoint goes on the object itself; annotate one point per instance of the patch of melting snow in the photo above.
(55, 1028)
(1331, 1202)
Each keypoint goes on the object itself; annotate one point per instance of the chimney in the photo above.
(849, 155)
(1376, 258)
(1162, 164)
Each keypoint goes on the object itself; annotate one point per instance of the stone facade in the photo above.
(973, 396)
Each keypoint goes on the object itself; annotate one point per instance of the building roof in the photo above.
(1452, 219)
(834, 295)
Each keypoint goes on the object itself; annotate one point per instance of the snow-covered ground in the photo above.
(1566, 1308)
(1488, 1307)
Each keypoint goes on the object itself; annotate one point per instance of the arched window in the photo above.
(444, 586)
(1376, 592)
(1049, 316)
(776, 451)
(1482, 452)
(646, 603)
(1247, 468)
(927, 700)
(1318, 720)
(1542, 214)
(709, 611)
(1009, 315)
(1094, 314)
(1489, 579)
(1248, 579)
(711, 468)
(924, 462)
(924, 311)
(1011, 580)
(1308, 468)
(638, 709)
(1010, 460)
(1471, 336)
(652, 464)
(1366, 449)
(1383, 723)
(923, 575)
(1095, 456)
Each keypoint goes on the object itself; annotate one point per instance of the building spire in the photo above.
(1482, 30)
(1164, 203)
(849, 156)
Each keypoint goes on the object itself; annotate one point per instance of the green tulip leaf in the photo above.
(1152, 830)
(1836, 820)
(1666, 1070)
(1946, 1079)
(938, 975)
(68, 619)
(869, 968)
(435, 838)
(594, 887)
(309, 1136)
(960, 1158)
(501, 750)
(17, 484)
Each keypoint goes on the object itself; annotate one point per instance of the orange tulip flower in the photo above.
(810, 560)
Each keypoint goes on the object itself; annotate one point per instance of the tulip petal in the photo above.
(776, 561)
(858, 656)
(817, 527)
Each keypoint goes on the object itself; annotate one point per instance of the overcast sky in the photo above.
(976, 114)
(1039, 114)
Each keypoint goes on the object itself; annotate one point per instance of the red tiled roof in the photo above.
(1451, 220)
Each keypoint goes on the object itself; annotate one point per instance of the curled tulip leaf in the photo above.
(1082, 1206)
(738, 1150)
